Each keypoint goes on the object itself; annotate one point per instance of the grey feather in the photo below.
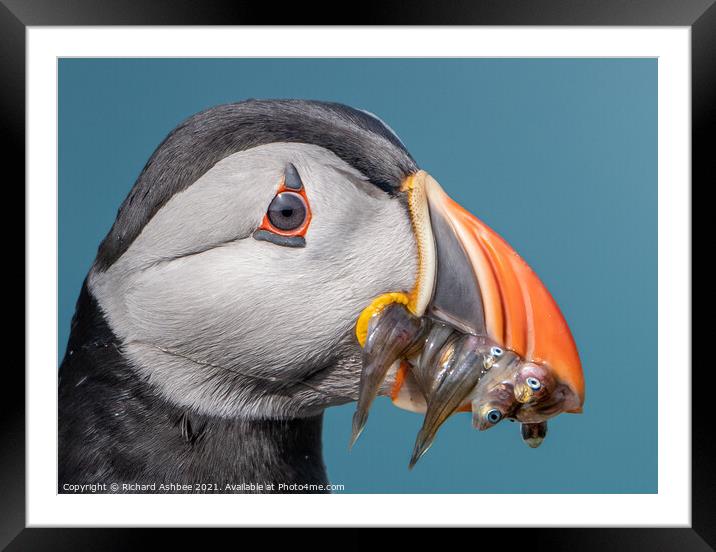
(192, 148)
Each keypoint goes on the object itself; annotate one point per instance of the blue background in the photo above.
(558, 155)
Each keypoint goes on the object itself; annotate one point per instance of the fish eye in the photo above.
(287, 211)
(533, 383)
(494, 416)
(496, 352)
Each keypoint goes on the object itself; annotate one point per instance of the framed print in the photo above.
(290, 270)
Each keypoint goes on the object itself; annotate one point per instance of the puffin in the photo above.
(223, 312)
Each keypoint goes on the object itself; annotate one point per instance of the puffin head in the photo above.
(259, 232)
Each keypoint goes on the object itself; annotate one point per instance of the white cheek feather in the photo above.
(217, 320)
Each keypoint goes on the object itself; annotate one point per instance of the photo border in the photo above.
(700, 16)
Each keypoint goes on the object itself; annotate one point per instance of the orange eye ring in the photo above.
(299, 231)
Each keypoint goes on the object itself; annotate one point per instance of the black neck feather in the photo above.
(114, 428)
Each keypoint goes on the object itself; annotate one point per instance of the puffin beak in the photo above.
(471, 279)
(476, 328)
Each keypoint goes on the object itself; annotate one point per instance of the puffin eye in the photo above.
(496, 352)
(533, 383)
(494, 416)
(287, 211)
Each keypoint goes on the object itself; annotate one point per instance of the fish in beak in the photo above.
(478, 332)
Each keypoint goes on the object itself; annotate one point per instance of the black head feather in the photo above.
(197, 144)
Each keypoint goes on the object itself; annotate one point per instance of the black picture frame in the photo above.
(699, 15)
